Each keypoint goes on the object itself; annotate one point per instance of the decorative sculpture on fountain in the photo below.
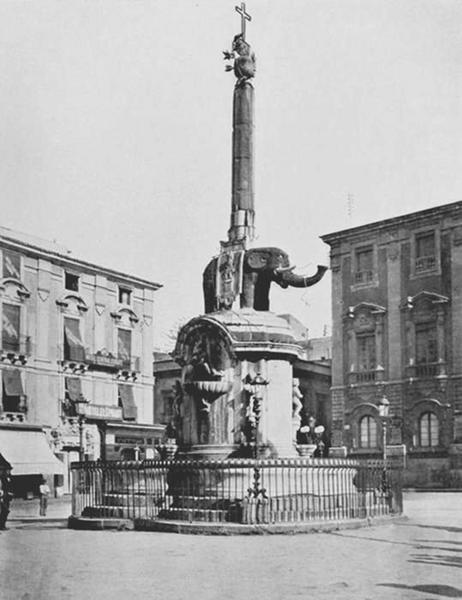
(260, 267)
(204, 380)
(244, 66)
(297, 406)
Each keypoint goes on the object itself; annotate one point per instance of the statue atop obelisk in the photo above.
(242, 198)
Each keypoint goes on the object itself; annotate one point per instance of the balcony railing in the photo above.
(12, 417)
(427, 369)
(108, 361)
(364, 276)
(425, 263)
(363, 376)
(103, 361)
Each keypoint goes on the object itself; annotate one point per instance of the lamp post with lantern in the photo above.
(80, 407)
(384, 408)
(255, 387)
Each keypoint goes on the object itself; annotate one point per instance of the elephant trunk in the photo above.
(286, 277)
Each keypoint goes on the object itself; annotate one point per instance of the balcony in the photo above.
(364, 276)
(12, 417)
(362, 376)
(16, 351)
(425, 263)
(106, 361)
(427, 370)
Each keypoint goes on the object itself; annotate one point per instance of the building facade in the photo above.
(76, 362)
(397, 334)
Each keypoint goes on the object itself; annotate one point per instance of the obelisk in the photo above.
(242, 196)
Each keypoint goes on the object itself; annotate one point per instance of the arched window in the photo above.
(428, 430)
(368, 432)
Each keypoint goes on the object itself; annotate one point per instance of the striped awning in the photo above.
(129, 410)
(28, 452)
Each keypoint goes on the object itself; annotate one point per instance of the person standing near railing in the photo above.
(44, 491)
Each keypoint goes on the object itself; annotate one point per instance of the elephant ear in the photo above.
(257, 260)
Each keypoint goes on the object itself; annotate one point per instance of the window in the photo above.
(73, 345)
(13, 392)
(10, 327)
(368, 432)
(426, 348)
(11, 265)
(125, 295)
(366, 352)
(428, 430)
(425, 251)
(71, 282)
(124, 346)
(364, 265)
(72, 395)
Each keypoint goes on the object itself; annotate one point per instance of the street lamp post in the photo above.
(81, 414)
(256, 387)
(384, 407)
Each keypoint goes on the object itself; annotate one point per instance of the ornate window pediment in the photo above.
(124, 315)
(424, 300)
(364, 308)
(72, 303)
(14, 288)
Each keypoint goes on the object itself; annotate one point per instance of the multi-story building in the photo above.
(397, 333)
(76, 362)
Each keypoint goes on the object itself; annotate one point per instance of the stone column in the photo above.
(276, 421)
(394, 313)
(99, 341)
(46, 348)
(440, 339)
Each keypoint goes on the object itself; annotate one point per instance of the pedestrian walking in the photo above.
(5, 498)
(44, 493)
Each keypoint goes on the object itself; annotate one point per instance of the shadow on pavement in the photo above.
(441, 590)
(442, 542)
(442, 527)
(437, 559)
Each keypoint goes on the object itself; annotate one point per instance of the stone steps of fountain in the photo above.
(104, 511)
(194, 514)
(118, 499)
(202, 502)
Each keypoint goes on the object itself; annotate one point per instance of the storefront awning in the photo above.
(28, 453)
(129, 410)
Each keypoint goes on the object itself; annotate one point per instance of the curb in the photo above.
(99, 524)
(37, 519)
(227, 529)
(432, 490)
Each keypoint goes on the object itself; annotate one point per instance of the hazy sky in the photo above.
(115, 129)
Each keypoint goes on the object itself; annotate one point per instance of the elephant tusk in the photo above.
(284, 269)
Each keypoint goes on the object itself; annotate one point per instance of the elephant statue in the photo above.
(258, 268)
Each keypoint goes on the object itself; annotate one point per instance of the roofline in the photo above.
(63, 259)
(421, 214)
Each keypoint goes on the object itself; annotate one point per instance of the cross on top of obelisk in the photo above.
(244, 17)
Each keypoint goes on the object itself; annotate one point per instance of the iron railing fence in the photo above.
(237, 490)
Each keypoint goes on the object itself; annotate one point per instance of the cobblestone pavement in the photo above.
(417, 558)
